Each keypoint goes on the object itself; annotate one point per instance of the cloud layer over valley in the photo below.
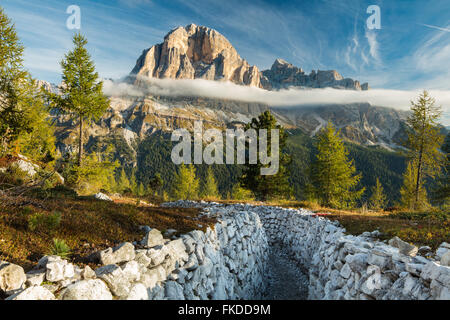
(398, 99)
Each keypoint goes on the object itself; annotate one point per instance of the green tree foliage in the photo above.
(96, 174)
(408, 194)
(134, 186)
(424, 141)
(81, 93)
(156, 184)
(268, 186)
(23, 117)
(240, 193)
(209, 186)
(333, 174)
(123, 184)
(441, 193)
(186, 183)
(378, 199)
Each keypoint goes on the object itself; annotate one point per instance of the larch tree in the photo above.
(81, 93)
(186, 186)
(377, 200)
(441, 192)
(333, 173)
(424, 142)
(408, 196)
(209, 187)
(23, 115)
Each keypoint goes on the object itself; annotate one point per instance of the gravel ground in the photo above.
(285, 280)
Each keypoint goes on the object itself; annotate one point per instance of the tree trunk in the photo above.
(80, 147)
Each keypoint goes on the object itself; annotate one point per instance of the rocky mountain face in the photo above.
(196, 52)
(284, 75)
(359, 122)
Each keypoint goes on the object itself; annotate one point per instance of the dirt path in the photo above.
(285, 280)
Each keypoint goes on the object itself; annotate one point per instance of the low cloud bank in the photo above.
(399, 99)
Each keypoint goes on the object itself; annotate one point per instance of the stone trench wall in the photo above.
(226, 262)
(229, 261)
(348, 267)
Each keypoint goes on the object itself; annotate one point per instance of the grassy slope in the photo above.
(87, 225)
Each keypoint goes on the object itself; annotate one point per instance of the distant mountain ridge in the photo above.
(196, 52)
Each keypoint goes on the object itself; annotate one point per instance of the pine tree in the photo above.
(186, 185)
(424, 141)
(209, 187)
(378, 199)
(408, 195)
(267, 186)
(156, 184)
(333, 173)
(81, 93)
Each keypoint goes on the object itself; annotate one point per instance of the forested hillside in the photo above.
(154, 157)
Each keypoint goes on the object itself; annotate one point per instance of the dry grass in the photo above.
(87, 225)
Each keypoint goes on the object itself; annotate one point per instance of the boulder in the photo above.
(138, 292)
(174, 291)
(12, 277)
(33, 293)
(59, 270)
(152, 239)
(35, 277)
(445, 259)
(115, 278)
(88, 273)
(87, 290)
(122, 253)
(102, 197)
(443, 248)
(404, 247)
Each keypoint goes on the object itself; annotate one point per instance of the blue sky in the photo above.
(411, 51)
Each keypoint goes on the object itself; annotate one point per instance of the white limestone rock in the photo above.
(33, 293)
(87, 290)
(12, 277)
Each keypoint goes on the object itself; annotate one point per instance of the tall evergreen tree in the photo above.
(81, 93)
(186, 185)
(333, 174)
(267, 186)
(156, 184)
(23, 116)
(424, 141)
(378, 199)
(209, 186)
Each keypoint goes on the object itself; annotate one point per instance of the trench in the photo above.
(285, 278)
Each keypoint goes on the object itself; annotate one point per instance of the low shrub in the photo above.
(44, 223)
(60, 248)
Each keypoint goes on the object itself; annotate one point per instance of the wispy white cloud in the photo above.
(371, 37)
(399, 99)
(436, 27)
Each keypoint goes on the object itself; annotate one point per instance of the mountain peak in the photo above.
(199, 52)
(196, 52)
